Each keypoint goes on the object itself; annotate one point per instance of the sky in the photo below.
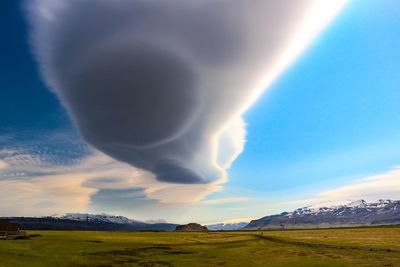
(322, 129)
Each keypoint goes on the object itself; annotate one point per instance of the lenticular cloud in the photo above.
(161, 84)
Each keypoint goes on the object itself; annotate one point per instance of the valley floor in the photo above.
(328, 247)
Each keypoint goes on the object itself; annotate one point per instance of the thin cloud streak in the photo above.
(224, 200)
(381, 186)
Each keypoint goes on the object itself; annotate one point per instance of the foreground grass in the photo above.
(328, 247)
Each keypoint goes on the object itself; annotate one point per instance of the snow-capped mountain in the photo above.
(357, 212)
(227, 226)
(84, 221)
(85, 217)
(361, 203)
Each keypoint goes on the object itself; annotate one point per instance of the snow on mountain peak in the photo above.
(356, 204)
(359, 212)
(361, 203)
(97, 217)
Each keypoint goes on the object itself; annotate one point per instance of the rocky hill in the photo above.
(191, 227)
(382, 212)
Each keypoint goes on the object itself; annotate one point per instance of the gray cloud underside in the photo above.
(162, 85)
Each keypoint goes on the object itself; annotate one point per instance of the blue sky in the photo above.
(335, 112)
(332, 118)
(25, 103)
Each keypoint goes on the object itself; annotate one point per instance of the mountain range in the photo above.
(89, 222)
(227, 226)
(356, 213)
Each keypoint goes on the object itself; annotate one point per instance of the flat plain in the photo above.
(378, 246)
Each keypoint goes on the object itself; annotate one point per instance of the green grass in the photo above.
(327, 247)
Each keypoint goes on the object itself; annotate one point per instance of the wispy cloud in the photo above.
(224, 200)
(37, 188)
(44, 195)
(3, 164)
(371, 188)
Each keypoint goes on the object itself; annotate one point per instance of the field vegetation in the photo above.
(326, 247)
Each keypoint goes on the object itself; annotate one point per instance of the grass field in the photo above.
(328, 247)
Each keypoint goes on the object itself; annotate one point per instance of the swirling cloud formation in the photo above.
(162, 85)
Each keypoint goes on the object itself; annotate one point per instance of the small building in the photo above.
(8, 228)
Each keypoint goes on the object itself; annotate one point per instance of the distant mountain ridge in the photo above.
(98, 218)
(360, 212)
(356, 213)
(227, 226)
(89, 222)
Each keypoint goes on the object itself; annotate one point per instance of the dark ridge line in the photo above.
(319, 245)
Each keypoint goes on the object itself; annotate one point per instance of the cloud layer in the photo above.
(31, 184)
(162, 85)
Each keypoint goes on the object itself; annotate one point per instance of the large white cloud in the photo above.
(162, 85)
